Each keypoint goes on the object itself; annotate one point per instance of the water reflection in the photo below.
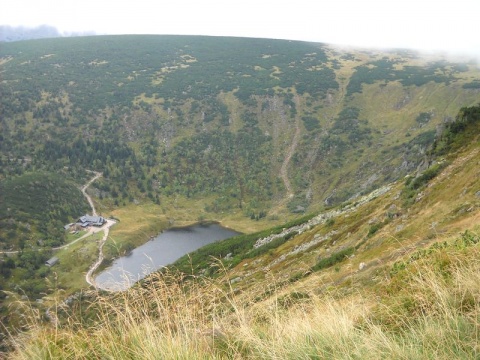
(160, 251)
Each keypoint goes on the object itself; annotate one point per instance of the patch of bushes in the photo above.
(311, 123)
(475, 84)
(374, 228)
(333, 259)
(424, 117)
(293, 298)
(330, 222)
(466, 240)
(413, 185)
(296, 276)
(425, 177)
(458, 133)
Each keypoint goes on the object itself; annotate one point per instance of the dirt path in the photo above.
(85, 187)
(106, 230)
(286, 161)
(90, 231)
(290, 152)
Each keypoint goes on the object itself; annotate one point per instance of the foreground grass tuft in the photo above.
(429, 308)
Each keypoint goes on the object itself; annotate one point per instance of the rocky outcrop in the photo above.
(322, 218)
(317, 239)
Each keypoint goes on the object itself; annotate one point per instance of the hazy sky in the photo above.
(450, 25)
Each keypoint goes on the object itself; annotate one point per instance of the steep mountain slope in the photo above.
(392, 221)
(267, 128)
(394, 274)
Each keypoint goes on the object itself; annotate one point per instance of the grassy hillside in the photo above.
(422, 315)
(390, 275)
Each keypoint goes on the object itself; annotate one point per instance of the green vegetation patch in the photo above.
(424, 117)
(333, 259)
(384, 70)
(475, 84)
(230, 165)
(311, 123)
(348, 123)
(459, 132)
(36, 206)
(413, 185)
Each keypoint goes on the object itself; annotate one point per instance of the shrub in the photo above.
(333, 259)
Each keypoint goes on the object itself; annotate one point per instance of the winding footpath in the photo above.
(286, 161)
(89, 278)
(85, 187)
(92, 230)
(106, 229)
(290, 152)
(52, 316)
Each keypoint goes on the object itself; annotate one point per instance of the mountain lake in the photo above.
(162, 250)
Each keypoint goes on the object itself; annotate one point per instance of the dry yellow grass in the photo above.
(423, 313)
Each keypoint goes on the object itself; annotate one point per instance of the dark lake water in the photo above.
(162, 250)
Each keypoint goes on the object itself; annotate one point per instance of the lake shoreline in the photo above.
(160, 251)
(108, 262)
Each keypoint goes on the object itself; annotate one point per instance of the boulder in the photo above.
(237, 279)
